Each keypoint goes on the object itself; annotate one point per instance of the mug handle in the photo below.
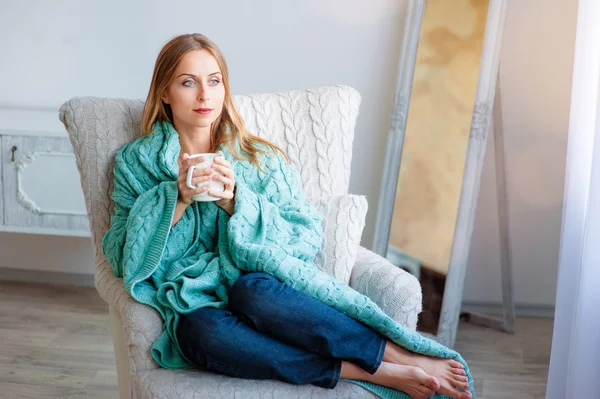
(188, 181)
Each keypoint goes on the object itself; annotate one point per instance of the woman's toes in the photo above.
(432, 383)
(465, 395)
(459, 371)
(456, 364)
(461, 382)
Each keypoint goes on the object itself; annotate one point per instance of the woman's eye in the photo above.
(214, 82)
(191, 83)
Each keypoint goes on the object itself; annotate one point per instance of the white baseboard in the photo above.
(521, 310)
(46, 277)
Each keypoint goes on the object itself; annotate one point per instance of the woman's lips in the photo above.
(203, 111)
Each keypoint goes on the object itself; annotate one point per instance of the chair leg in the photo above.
(121, 355)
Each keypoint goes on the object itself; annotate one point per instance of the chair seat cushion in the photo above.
(196, 384)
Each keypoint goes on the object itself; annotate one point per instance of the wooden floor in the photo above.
(55, 342)
(508, 366)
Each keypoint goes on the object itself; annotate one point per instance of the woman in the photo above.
(257, 332)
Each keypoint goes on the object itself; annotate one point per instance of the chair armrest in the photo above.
(395, 291)
(141, 324)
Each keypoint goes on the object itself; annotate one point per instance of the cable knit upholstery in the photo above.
(166, 384)
(315, 127)
(343, 223)
(395, 291)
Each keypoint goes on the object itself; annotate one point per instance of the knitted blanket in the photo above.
(193, 264)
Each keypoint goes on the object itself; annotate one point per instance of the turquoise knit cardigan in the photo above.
(194, 263)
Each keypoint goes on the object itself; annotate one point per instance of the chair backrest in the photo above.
(315, 127)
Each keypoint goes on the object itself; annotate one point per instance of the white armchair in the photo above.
(316, 129)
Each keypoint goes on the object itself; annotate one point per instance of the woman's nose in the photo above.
(202, 93)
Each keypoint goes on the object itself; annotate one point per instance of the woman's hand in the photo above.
(226, 176)
(199, 175)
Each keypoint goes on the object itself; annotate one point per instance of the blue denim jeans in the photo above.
(273, 331)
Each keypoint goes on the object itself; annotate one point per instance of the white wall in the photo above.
(107, 48)
(55, 50)
(536, 70)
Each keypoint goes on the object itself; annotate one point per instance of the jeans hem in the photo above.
(336, 374)
(379, 358)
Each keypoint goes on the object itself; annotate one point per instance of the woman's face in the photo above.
(196, 92)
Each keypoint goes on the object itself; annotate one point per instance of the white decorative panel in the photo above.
(41, 185)
(48, 182)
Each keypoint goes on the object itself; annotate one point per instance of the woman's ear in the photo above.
(165, 98)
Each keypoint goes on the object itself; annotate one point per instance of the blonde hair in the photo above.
(230, 121)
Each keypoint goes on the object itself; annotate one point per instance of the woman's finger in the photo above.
(198, 172)
(225, 180)
(182, 159)
(202, 171)
(201, 189)
(221, 194)
(222, 161)
(225, 163)
(228, 172)
(193, 161)
(201, 179)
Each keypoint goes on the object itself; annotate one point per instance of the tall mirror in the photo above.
(435, 150)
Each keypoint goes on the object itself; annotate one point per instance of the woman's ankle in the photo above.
(397, 355)
(353, 372)
(382, 376)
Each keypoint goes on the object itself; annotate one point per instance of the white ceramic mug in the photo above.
(214, 184)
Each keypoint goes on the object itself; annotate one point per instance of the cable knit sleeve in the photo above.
(272, 214)
(129, 234)
(124, 197)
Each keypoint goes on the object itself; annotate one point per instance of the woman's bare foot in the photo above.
(412, 380)
(450, 373)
